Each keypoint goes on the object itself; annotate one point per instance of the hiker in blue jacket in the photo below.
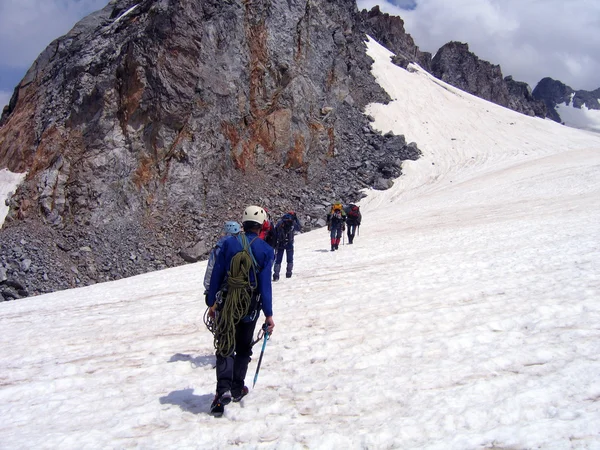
(232, 362)
(285, 229)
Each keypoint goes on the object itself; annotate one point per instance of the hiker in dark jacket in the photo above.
(285, 230)
(353, 218)
(336, 224)
(232, 362)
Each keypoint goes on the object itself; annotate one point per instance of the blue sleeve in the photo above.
(264, 280)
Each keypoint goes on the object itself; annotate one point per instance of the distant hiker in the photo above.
(230, 228)
(267, 232)
(285, 229)
(240, 286)
(336, 224)
(353, 218)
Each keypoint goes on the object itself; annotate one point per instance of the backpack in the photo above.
(283, 230)
(353, 213)
(336, 206)
(211, 261)
(267, 233)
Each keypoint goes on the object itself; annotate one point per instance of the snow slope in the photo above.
(466, 315)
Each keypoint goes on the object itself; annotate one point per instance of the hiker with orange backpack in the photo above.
(336, 224)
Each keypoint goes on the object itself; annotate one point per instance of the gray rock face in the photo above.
(521, 99)
(553, 92)
(456, 65)
(152, 122)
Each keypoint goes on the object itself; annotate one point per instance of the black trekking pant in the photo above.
(351, 231)
(231, 370)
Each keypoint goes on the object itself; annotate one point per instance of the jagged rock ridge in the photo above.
(553, 92)
(389, 31)
(152, 122)
(456, 65)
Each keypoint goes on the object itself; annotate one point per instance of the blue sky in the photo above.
(26, 29)
(529, 39)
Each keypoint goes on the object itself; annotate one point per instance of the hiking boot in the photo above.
(275, 276)
(237, 396)
(288, 275)
(333, 248)
(217, 408)
(226, 398)
(337, 246)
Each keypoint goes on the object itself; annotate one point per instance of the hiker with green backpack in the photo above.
(240, 286)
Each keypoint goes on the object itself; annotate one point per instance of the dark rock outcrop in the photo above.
(151, 122)
(457, 66)
(553, 92)
(389, 32)
(521, 99)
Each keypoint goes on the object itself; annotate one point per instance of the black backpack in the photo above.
(283, 232)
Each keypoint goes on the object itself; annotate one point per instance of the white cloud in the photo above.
(528, 39)
(4, 99)
(584, 118)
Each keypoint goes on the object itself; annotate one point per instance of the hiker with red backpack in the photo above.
(285, 230)
(240, 286)
(336, 224)
(353, 218)
(267, 232)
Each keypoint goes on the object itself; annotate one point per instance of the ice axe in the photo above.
(262, 352)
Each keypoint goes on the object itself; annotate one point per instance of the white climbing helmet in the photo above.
(254, 214)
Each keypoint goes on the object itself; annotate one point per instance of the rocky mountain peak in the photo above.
(389, 31)
(553, 92)
(456, 65)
